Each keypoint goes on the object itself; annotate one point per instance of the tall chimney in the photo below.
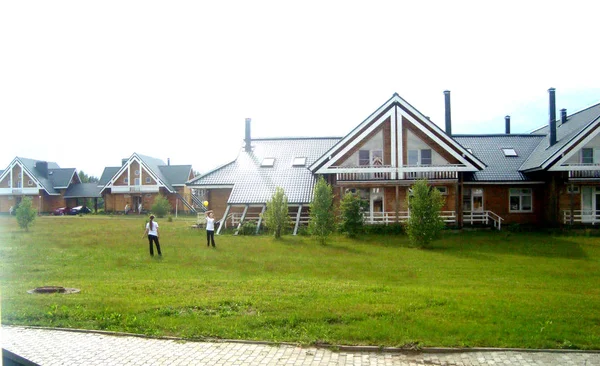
(507, 124)
(448, 114)
(563, 116)
(552, 111)
(168, 161)
(248, 139)
(42, 167)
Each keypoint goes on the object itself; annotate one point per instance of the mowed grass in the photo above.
(472, 289)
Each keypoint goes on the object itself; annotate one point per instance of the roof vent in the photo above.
(563, 116)
(509, 152)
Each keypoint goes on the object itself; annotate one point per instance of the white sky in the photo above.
(85, 84)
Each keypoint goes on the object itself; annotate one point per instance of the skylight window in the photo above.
(299, 161)
(509, 152)
(469, 150)
(268, 162)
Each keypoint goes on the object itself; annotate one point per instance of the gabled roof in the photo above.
(61, 178)
(166, 175)
(569, 134)
(499, 167)
(252, 183)
(83, 190)
(396, 108)
(49, 179)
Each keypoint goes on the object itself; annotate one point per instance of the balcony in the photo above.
(19, 191)
(583, 171)
(387, 172)
(135, 189)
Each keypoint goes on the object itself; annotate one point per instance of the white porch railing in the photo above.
(584, 174)
(449, 217)
(582, 217)
(130, 189)
(387, 172)
(19, 191)
(482, 217)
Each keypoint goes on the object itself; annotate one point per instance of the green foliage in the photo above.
(25, 213)
(87, 178)
(161, 206)
(351, 215)
(322, 220)
(424, 223)
(389, 229)
(248, 228)
(277, 218)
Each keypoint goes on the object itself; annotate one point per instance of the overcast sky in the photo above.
(85, 84)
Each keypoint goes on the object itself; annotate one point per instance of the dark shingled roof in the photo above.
(488, 148)
(83, 190)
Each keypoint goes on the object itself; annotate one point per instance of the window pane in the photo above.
(514, 203)
(363, 157)
(426, 157)
(526, 203)
(413, 157)
(587, 156)
(377, 156)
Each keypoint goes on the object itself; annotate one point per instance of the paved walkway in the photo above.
(59, 347)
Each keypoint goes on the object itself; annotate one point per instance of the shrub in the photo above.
(25, 213)
(424, 223)
(161, 206)
(351, 215)
(277, 216)
(322, 221)
(247, 228)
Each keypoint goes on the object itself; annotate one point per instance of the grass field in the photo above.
(496, 289)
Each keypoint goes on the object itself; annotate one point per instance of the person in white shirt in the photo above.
(210, 228)
(152, 233)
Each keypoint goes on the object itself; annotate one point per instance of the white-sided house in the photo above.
(140, 179)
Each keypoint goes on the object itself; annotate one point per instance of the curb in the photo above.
(334, 348)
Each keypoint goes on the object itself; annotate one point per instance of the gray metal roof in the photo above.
(61, 178)
(176, 174)
(31, 166)
(83, 190)
(107, 175)
(488, 148)
(253, 183)
(565, 133)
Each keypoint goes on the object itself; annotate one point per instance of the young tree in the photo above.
(25, 213)
(351, 214)
(277, 218)
(161, 206)
(424, 223)
(322, 220)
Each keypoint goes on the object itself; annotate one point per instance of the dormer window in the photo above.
(268, 162)
(509, 152)
(299, 161)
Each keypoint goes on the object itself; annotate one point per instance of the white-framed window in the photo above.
(363, 157)
(148, 180)
(509, 152)
(268, 162)
(443, 190)
(136, 181)
(370, 157)
(590, 155)
(137, 172)
(420, 157)
(572, 189)
(30, 182)
(299, 161)
(126, 180)
(520, 200)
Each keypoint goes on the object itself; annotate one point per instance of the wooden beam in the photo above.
(260, 218)
(297, 219)
(241, 220)
(223, 220)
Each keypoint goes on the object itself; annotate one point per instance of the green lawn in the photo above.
(495, 289)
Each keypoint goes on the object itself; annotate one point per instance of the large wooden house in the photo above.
(48, 185)
(140, 179)
(550, 176)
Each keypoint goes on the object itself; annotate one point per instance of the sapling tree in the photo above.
(322, 220)
(424, 223)
(161, 206)
(277, 217)
(351, 214)
(25, 213)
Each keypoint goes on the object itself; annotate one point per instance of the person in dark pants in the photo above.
(152, 233)
(210, 229)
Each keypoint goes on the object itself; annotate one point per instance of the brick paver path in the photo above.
(57, 347)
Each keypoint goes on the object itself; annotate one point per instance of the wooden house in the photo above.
(140, 179)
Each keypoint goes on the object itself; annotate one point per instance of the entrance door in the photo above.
(590, 204)
(137, 204)
(473, 205)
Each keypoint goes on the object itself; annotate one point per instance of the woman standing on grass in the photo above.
(210, 228)
(152, 233)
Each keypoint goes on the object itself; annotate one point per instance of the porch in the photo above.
(581, 217)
